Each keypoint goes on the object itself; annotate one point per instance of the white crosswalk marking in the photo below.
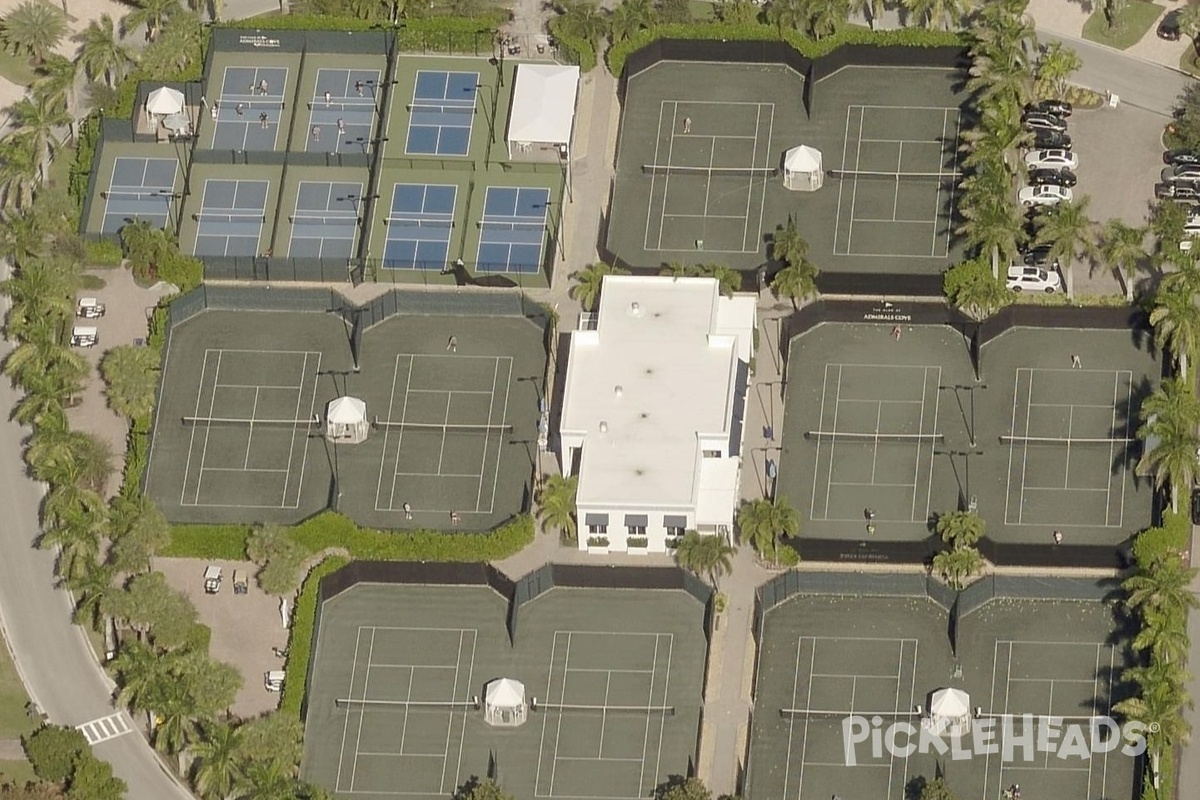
(105, 728)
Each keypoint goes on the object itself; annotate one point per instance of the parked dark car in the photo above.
(1051, 140)
(1169, 27)
(1176, 157)
(1195, 506)
(1179, 192)
(1053, 177)
(1182, 172)
(1039, 257)
(1059, 108)
(1039, 119)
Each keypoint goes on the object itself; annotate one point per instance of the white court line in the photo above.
(1067, 461)
(903, 141)
(1055, 680)
(253, 386)
(875, 445)
(1105, 406)
(470, 682)
(937, 198)
(244, 469)
(712, 160)
(649, 702)
(762, 203)
(337, 783)
(1112, 455)
(487, 435)
(854, 191)
(719, 136)
(292, 441)
(362, 715)
(207, 428)
(705, 216)
(662, 105)
(442, 449)
(621, 671)
(837, 218)
(456, 391)
(832, 446)
(391, 405)
(850, 400)
(666, 199)
(787, 764)
(899, 221)
(899, 169)
(855, 675)
(412, 673)
(500, 441)
(950, 202)
(937, 405)
(662, 721)
(589, 758)
(435, 475)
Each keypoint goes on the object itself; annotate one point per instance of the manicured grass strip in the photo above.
(16, 68)
(14, 722)
(1132, 24)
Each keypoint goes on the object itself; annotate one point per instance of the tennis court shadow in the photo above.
(1126, 421)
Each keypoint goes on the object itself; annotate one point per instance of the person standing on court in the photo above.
(407, 511)
(1076, 362)
(240, 108)
(341, 125)
(687, 124)
(358, 88)
(452, 344)
(328, 99)
(897, 332)
(316, 133)
(262, 118)
(262, 86)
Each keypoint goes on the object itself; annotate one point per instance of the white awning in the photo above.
(164, 100)
(950, 703)
(505, 693)
(346, 411)
(543, 104)
(802, 159)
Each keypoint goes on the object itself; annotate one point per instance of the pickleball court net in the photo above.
(407, 705)
(894, 177)
(509, 225)
(435, 427)
(341, 105)
(251, 105)
(324, 219)
(868, 438)
(711, 172)
(137, 194)
(439, 108)
(309, 423)
(1055, 441)
(419, 223)
(214, 216)
(569, 708)
(827, 713)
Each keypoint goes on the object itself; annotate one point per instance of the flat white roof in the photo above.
(543, 103)
(655, 376)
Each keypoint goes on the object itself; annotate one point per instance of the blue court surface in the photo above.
(341, 115)
(248, 111)
(513, 229)
(326, 220)
(419, 226)
(442, 113)
(231, 217)
(141, 188)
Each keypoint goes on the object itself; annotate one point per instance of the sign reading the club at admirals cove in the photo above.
(886, 312)
(258, 40)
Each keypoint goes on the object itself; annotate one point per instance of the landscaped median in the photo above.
(1131, 24)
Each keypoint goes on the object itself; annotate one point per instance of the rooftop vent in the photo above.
(603, 426)
(618, 390)
(635, 308)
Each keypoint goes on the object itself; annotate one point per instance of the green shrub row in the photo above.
(572, 48)
(300, 22)
(812, 48)
(103, 253)
(300, 637)
(1172, 537)
(330, 529)
(449, 34)
(137, 440)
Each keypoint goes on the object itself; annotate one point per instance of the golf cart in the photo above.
(89, 308)
(273, 680)
(240, 584)
(212, 579)
(84, 336)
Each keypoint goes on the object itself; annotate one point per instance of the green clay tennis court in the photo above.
(397, 670)
(881, 435)
(699, 166)
(824, 658)
(239, 434)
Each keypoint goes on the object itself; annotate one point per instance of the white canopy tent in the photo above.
(346, 420)
(802, 170)
(164, 100)
(949, 712)
(543, 108)
(504, 703)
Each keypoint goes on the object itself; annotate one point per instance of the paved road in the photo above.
(55, 661)
(1137, 82)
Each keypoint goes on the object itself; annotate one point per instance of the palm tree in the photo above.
(762, 522)
(1157, 706)
(139, 531)
(76, 536)
(826, 16)
(131, 376)
(37, 122)
(1163, 588)
(146, 246)
(582, 19)
(1069, 232)
(710, 556)
(1164, 636)
(34, 28)
(588, 282)
(787, 15)
(1189, 21)
(788, 245)
(1176, 322)
(1056, 66)
(956, 566)
(728, 279)
(1121, 246)
(22, 237)
(943, 13)
(219, 762)
(1169, 422)
(44, 357)
(42, 402)
(91, 588)
(993, 229)
(677, 269)
(630, 17)
(265, 780)
(19, 170)
(960, 528)
(973, 289)
(40, 291)
(796, 282)
(152, 14)
(55, 86)
(179, 46)
(556, 505)
(870, 10)
(1167, 222)
(736, 12)
(100, 53)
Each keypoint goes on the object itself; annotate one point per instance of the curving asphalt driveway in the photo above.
(1136, 81)
(52, 656)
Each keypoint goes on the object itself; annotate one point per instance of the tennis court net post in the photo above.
(891, 438)
(248, 422)
(435, 427)
(713, 172)
(409, 705)
(536, 705)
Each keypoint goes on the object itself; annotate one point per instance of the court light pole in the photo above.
(770, 469)
(560, 234)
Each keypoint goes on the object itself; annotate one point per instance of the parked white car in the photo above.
(1048, 195)
(1033, 279)
(1191, 232)
(1051, 159)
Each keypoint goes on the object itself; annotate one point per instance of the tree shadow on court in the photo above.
(1126, 422)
